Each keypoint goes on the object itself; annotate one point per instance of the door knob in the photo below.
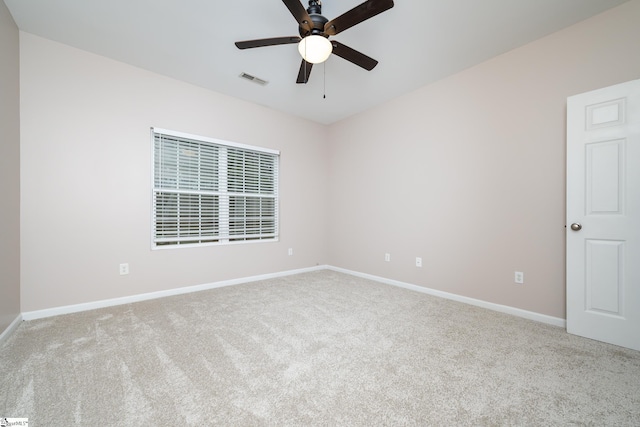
(576, 226)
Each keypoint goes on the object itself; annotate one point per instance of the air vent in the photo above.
(253, 79)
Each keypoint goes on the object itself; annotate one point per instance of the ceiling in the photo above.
(416, 43)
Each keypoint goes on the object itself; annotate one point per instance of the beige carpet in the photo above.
(319, 348)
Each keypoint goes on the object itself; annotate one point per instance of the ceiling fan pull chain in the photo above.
(324, 78)
(306, 79)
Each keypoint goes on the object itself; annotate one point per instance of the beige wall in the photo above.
(469, 173)
(86, 192)
(9, 170)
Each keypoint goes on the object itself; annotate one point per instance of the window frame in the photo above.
(224, 195)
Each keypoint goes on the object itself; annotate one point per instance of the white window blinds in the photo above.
(207, 191)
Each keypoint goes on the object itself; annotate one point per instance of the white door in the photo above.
(603, 215)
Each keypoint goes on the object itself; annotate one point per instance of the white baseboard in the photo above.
(543, 318)
(57, 311)
(12, 327)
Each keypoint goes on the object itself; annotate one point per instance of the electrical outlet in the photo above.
(387, 257)
(519, 277)
(418, 262)
(124, 269)
(290, 251)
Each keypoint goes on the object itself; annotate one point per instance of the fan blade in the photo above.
(356, 15)
(305, 70)
(300, 13)
(352, 55)
(248, 44)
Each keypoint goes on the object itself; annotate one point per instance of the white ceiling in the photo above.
(416, 42)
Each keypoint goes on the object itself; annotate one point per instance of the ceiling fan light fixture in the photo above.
(315, 49)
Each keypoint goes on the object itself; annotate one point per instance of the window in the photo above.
(207, 191)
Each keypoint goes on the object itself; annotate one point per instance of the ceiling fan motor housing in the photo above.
(315, 13)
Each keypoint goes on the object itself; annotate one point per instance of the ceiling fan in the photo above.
(314, 44)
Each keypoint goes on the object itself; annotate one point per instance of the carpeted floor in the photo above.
(320, 348)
